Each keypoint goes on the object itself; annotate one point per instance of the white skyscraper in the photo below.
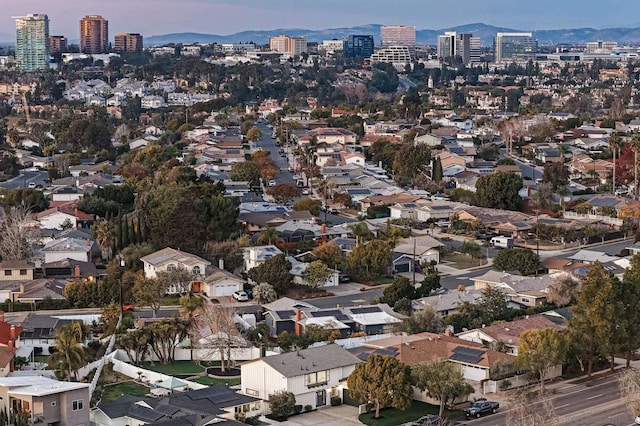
(32, 42)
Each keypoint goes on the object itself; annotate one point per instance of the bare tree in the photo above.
(629, 384)
(178, 280)
(215, 329)
(563, 290)
(16, 234)
(523, 413)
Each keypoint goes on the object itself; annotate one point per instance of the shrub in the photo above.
(336, 400)
(282, 404)
(505, 385)
(308, 407)
(297, 409)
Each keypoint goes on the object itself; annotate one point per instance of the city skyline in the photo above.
(230, 16)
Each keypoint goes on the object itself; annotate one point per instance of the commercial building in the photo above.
(601, 47)
(465, 46)
(398, 35)
(128, 42)
(399, 56)
(332, 46)
(358, 46)
(32, 42)
(514, 46)
(288, 45)
(57, 43)
(94, 34)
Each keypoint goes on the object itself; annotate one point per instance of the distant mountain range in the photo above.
(484, 31)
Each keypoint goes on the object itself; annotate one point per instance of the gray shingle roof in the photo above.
(321, 358)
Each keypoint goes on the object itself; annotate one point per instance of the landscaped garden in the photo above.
(394, 417)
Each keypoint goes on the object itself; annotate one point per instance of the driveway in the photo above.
(342, 415)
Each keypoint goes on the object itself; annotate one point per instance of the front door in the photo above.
(321, 398)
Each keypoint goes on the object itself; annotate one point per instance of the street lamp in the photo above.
(122, 265)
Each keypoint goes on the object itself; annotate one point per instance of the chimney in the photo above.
(1, 316)
(13, 333)
(88, 242)
(11, 345)
(298, 318)
(221, 264)
(76, 272)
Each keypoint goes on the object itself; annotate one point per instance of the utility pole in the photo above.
(413, 262)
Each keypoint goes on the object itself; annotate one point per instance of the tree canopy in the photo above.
(499, 191)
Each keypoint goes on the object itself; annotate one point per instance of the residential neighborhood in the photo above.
(360, 230)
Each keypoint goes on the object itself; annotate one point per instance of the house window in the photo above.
(196, 270)
(78, 404)
(251, 392)
(7, 272)
(171, 267)
(318, 378)
(23, 272)
(525, 300)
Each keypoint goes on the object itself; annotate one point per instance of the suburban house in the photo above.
(13, 270)
(9, 344)
(59, 217)
(205, 279)
(448, 302)
(207, 406)
(524, 291)
(39, 332)
(293, 317)
(69, 248)
(506, 335)
(298, 270)
(46, 400)
(424, 249)
(256, 256)
(313, 375)
(169, 259)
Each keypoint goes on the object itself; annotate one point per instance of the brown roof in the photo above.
(16, 264)
(6, 355)
(509, 332)
(560, 264)
(437, 347)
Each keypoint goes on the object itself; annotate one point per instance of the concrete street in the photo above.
(587, 404)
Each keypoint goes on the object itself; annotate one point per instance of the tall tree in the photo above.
(317, 274)
(540, 350)
(166, 335)
(383, 381)
(104, 233)
(275, 271)
(628, 310)
(149, 292)
(591, 325)
(370, 260)
(68, 355)
(635, 147)
(442, 380)
(615, 143)
(14, 243)
(499, 191)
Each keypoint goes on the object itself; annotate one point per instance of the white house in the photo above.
(218, 282)
(169, 259)
(54, 219)
(68, 248)
(256, 256)
(153, 102)
(298, 270)
(313, 375)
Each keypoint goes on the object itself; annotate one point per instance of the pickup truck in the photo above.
(480, 408)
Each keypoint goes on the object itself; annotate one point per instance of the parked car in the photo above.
(343, 278)
(480, 408)
(241, 296)
(428, 420)
(128, 307)
(272, 182)
(31, 185)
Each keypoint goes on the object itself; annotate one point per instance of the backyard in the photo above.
(114, 391)
(393, 417)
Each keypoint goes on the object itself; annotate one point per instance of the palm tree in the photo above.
(361, 231)
(269, 236)
(615, 143)
(69, 354)
(104, 233)
(635, 146)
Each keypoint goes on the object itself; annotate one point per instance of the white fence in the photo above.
(99, 364)
(142, 374)
(493, 386)
(604, 219)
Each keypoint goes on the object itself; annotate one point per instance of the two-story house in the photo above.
(14, 270)
(256, 256)
(313, 375)
(46, 400)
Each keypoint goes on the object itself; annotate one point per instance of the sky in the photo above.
(223, 17)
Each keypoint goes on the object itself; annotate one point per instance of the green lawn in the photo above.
(170, 300)
(393, 417)
(112, 392)
(462, 261)
(178, 367)
(210, 381)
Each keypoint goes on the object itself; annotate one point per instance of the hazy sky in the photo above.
(153, 17)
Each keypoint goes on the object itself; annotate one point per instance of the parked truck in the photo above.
(502, 242)
(480, 408)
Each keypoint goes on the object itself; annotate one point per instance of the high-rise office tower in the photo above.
(398, 35)
(32, 42)
(57, 43)
(447, 45)
(128, 42)
(358, 46)
(514, 46)
(94, 34)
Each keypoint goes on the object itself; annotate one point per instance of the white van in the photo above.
(502, 242)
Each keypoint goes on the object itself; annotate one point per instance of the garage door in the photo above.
(224, 290)
(346, 399)
(402, 267)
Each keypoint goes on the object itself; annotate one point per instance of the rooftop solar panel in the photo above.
(366, 310)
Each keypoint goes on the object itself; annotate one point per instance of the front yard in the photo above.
(394, 417)
(462, 261)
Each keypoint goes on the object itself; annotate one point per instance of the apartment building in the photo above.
(58, 43)
(398, 35)
(32, 42)
(94, 34)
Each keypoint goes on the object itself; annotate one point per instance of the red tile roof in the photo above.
(5, 333)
